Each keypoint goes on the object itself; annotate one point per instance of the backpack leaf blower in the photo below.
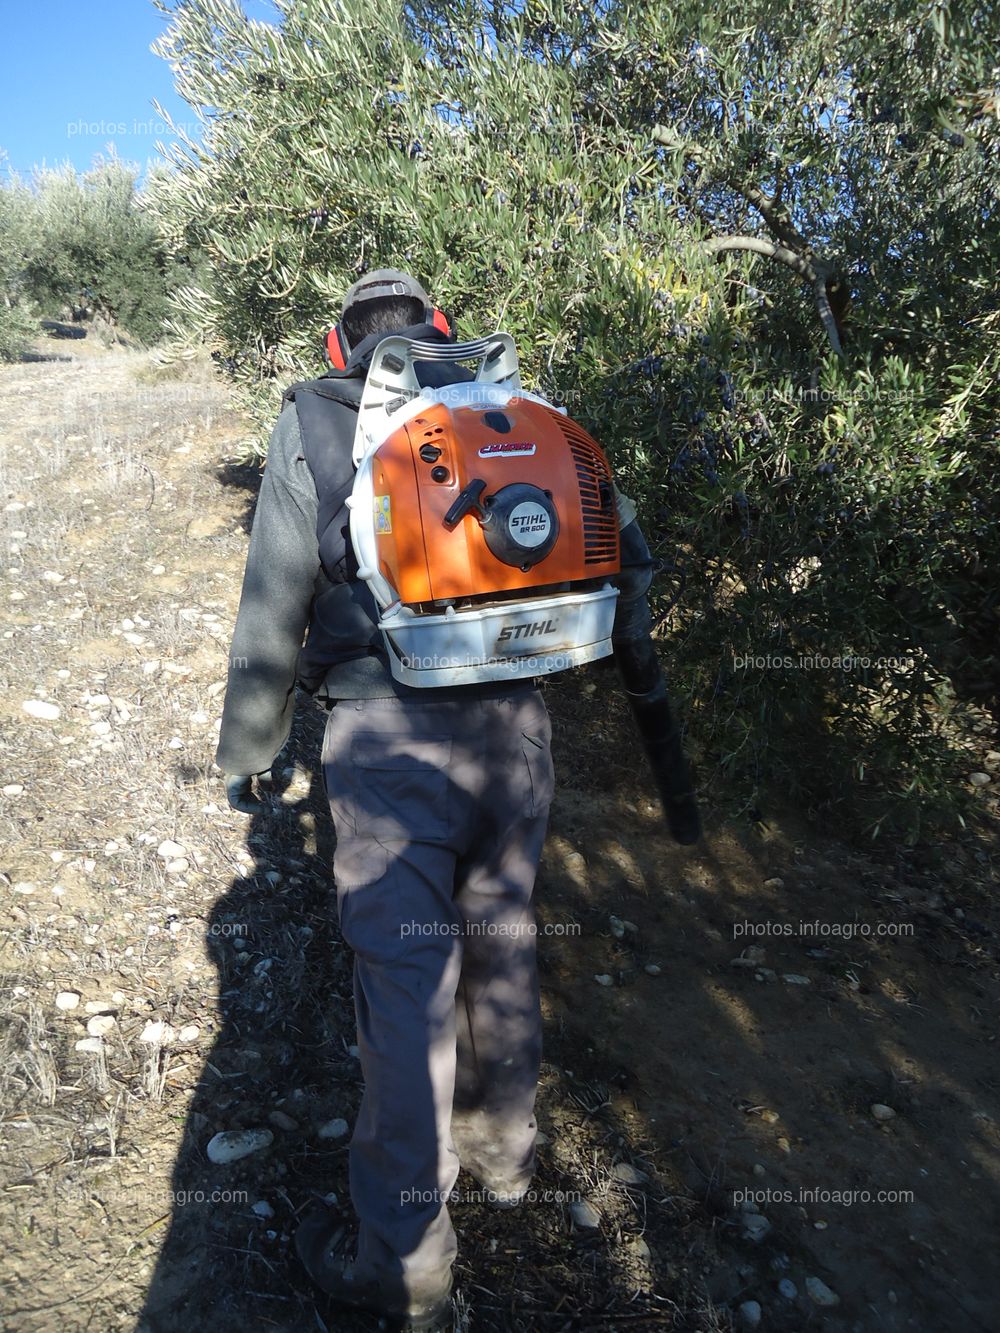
(484, 521)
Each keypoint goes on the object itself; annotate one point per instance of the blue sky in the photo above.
(78, 75)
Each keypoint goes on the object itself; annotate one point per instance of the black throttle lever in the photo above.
(467, 499)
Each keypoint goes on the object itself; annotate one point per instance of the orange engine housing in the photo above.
(427, 562)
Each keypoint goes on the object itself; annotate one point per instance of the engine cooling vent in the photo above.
(600, 517)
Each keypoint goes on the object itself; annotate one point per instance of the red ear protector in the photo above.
(338, 349)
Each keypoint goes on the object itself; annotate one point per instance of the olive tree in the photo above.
(752, 250)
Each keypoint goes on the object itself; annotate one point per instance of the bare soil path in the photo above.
(720, 1023)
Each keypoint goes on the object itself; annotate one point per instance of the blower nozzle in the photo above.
(646, 689)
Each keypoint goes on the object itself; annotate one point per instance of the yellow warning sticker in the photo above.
(383, 514)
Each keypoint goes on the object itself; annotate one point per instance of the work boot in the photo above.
(323, 1243)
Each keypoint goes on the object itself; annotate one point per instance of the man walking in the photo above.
(440, 799)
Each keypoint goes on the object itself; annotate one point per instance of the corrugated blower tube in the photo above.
(645, 687)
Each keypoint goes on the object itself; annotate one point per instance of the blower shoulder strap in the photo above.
(327, 437)
(336, 389)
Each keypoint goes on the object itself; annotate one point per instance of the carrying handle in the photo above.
(392, 379)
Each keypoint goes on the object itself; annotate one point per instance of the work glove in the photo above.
(240, 793)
